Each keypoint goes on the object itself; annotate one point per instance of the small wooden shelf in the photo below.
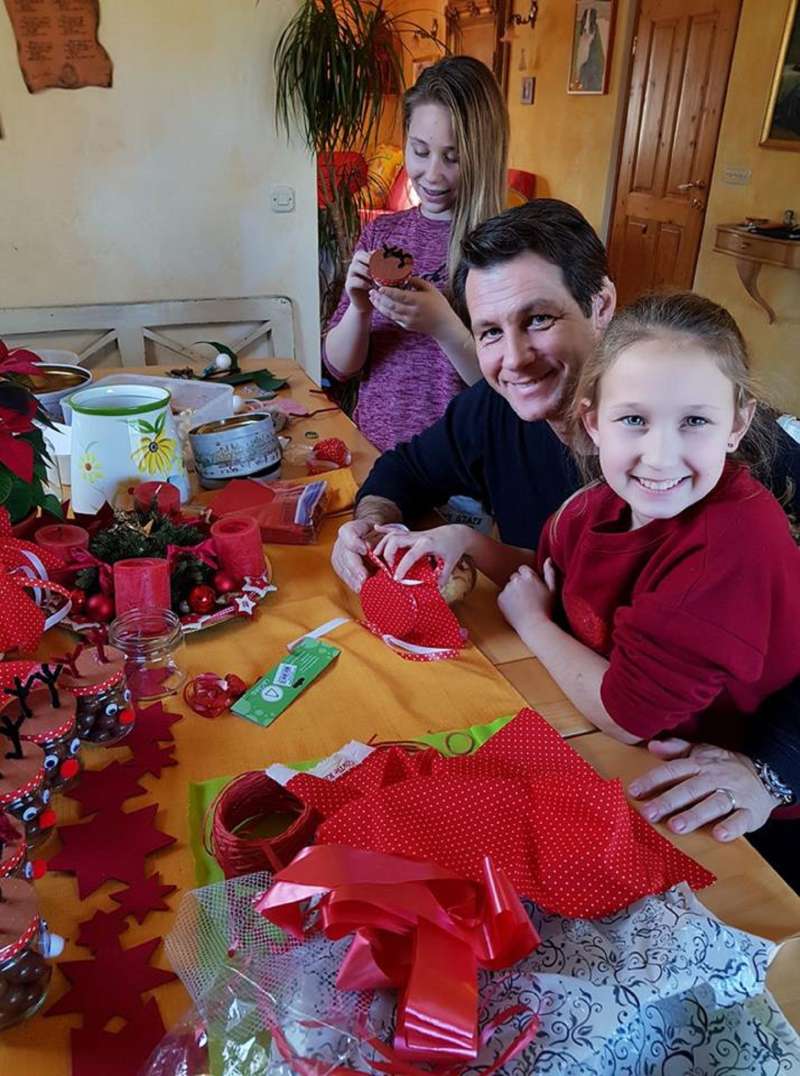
(751, 252)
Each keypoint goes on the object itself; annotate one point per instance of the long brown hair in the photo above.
(712, 328)
(469, 91)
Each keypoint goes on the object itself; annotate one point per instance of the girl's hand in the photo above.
(526, 600)
(421, 310)
(449, 542)
(358, 282)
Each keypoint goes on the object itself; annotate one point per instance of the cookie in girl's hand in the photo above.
(390, 266)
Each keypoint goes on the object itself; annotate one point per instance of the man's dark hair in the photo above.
(556, 231)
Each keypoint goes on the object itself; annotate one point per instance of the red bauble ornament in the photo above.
(223, 583)
(201, 599)
(100, 607)
(78, 597)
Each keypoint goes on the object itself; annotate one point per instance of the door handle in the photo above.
(692, 185)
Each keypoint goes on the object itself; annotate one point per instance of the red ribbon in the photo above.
(419, 928)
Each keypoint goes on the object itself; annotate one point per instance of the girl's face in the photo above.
(431, 160)
(664, 423)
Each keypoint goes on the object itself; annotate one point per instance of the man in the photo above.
(533, 285)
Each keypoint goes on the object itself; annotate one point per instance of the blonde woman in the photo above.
(412, 350)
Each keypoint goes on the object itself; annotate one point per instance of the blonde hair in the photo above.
(469, 91)
(694, 318)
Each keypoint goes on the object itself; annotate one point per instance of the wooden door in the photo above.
(680, 70)
(476, 28)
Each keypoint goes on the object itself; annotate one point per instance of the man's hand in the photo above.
(686, 790)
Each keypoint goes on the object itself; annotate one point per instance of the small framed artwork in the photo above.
(592, 39)
(528, 90)
(420, 64)
(781, 128)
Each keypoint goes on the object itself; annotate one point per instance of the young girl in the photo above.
(669, 589)
(415, 352)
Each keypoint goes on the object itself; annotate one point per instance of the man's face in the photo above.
(530, 334)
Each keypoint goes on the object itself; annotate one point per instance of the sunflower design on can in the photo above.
(90, 465)
(155, 451)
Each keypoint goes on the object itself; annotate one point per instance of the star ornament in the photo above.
(111, 984)
(107, 789)
(113, 844)
(143, 897)
(97, 1053)
(102, 931)
(245, 606)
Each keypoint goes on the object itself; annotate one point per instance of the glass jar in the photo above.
(97, 680)
(24, 945)
(60, 743)
(25, 795)
(152, 641)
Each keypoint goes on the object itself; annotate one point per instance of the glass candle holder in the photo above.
(152, 641)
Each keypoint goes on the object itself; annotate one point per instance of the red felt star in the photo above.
(153, 723)
(97, 1053)
(111, 984)
(151, 757)
(107, 789)
(102, 931)
(143, 897)
(112, 845)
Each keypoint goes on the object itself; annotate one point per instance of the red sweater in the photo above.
(698, 615)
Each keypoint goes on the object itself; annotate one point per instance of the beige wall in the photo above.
(774, 186)
(159, 187)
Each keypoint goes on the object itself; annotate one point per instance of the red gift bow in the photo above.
(410, 614)
(418, 927)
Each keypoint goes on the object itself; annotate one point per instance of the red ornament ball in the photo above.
(78, 597)
(201, 599)
(100, 607)
(223, 583)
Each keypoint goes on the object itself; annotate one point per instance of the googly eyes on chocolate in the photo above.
(50, 762)
(29, 813)
(75, 745)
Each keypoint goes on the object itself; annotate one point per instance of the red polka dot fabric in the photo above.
(21, 619)
(411, 610)
(566, 838)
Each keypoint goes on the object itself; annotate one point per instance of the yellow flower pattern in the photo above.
(155, 451)
(90, 465)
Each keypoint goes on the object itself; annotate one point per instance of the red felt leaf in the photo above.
(111, 845)
(111, 984)
(143, 897)
(107, 789)
(102, 931)
(97, 1053)
(153, 723)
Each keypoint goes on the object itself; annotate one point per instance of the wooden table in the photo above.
(748, 894)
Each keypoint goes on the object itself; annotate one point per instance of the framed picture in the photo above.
(420, 64)
(592, 38)
(781, 128)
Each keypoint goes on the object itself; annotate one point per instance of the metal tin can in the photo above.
(240, 447)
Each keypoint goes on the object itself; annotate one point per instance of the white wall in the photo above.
(159, 187)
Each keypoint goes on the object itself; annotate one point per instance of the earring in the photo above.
(731, 445)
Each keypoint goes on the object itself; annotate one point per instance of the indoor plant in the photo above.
(23, 453)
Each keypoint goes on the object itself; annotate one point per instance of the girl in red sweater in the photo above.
(668, 590)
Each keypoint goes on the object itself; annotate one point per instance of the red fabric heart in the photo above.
(411, 611)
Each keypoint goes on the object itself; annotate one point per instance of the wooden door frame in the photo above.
(622, 116)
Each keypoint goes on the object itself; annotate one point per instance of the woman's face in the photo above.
(431, 160)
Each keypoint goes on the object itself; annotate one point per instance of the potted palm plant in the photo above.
(23, 453)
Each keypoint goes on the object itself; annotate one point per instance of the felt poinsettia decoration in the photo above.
(23, 454)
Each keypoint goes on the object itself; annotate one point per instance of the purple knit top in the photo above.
(407, 380)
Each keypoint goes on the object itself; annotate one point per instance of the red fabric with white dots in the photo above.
(414, 612)
(566, 838)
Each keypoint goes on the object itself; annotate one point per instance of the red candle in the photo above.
(237, 540)
(61, 539)
(167, 498)
(141, 583)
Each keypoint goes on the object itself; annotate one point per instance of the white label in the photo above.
(285, 674)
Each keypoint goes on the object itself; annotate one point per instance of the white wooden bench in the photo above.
(133, 334)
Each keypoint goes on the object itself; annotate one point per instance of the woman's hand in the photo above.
(449, 543)
(527, 600)
(350, 550)
(687, 790)
(358, 282)
(420, 308)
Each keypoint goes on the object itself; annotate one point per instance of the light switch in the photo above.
(282, 198)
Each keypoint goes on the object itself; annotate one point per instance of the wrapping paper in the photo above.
(564, 836)
(661, 988)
